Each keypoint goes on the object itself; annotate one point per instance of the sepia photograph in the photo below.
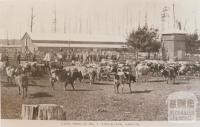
(117, 61)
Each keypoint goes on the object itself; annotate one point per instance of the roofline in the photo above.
(30, 35)
(79, 42)
(24, 35)
(173, 33)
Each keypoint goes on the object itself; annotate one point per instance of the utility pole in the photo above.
(64, 25)
(195, 23)
(139, 20)
(7, 38)
(32, 18)
(146, 22)
(174, 16)
(55, 20)
(164, 18)
(80, 24)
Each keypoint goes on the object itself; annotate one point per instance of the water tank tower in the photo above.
(173, 43)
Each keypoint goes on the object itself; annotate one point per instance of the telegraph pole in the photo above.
(32, 18)
(55, 20)
(139, 20)
(7, 38)
(64, 25)
(146, 22)
(174, 16)
(195, 23)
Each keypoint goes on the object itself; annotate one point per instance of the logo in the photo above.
(182, 106)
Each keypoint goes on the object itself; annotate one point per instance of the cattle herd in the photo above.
(119, 73)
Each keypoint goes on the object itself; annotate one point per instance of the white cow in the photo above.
(142, 71)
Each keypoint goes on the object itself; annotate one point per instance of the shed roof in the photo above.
(78, 45)
(77, 37)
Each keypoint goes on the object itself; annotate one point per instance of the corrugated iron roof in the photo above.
(77, 37)
(78, 45)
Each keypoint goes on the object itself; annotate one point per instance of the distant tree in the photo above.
(191, 40)
(144, 39)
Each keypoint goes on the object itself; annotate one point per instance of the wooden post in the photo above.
(43, 112)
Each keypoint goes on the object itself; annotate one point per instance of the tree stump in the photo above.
(51, 112)
(29, 112)
(43, 112)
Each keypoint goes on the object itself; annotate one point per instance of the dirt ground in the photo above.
(98, 101)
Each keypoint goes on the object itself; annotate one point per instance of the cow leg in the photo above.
(72, 84)
(130, 87)
(114, 87)
(11, 81)
(19, 90)
(123, 87)
(52, 84)
(8, 79)
(66, 83)
(173, 80)
(22, 92)
(118, 84)
(26, 91)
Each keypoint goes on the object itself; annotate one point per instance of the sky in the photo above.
(98, 17)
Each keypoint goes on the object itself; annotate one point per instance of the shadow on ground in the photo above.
(84, 90)
(6, 84)
(144, 91)
(101, 83)
(40, 94)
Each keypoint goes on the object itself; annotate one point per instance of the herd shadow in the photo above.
(102, 83)
(143, 91)
(161, 80)
(137, 92)
(31, 83)
(84, 90)
(7, 84)
(40, 94)
(179, 83)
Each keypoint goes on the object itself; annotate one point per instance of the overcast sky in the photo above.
(112, 17)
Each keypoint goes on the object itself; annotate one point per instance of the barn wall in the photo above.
(27, 42)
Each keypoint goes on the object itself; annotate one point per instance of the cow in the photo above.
(65, 76)
(61, 75)
(21, 81)
(142, 71)
(119, 79)
(89, 72)
(92, 75)
(20, 77)
(169, 73)
(10, 70)
(2, 66)
(77, 74)
(122, 77)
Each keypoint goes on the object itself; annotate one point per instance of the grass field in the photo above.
(98, 101)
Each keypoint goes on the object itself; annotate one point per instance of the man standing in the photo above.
(18, 58)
